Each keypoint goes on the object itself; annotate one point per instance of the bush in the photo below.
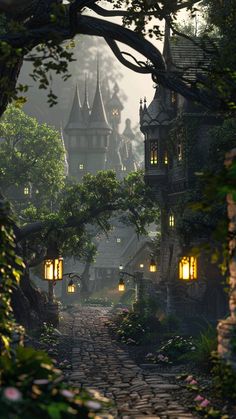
(31, 387)
(224, 378)
(134, 328)
(204, 345)
(104, 302)
(171, 351)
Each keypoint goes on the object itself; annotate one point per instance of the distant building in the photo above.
(94, 142)
(176, 137)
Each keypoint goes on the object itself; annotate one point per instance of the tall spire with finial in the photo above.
(98, 118)
(85, 107)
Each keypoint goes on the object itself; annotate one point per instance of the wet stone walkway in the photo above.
(99, 363)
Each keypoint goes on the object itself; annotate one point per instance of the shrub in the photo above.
(204, 345)
(224, 378)
(31, 387)
(134, 328)
(173, 349)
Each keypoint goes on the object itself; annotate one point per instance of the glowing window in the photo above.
(153, 153)
(118, 240)
(115, 112)
(180, 152)
(81, 167)
(171, 220)
(26, 190)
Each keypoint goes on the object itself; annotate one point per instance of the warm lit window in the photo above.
(115, 112)
(26, 190)
(171, 220)
(166, 158)
(153, 153)
(81, 167)
(180, 152)
(118, 240)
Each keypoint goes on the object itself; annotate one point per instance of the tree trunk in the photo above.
(9, 72)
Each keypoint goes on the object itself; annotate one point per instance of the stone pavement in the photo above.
(99, 363)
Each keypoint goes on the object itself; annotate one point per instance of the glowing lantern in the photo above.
(188, 268)
(121, 286)
(141, 265)
(71, 287)
(53, 265)
(152, 266)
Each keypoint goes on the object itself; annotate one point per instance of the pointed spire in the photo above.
(98, 118)
(166, 47)
(85, 107)
(76, 118)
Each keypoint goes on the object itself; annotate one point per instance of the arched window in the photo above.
(153, 153)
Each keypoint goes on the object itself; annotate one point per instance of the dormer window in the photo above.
(26, 190)
(171, 220)
(115, 112)
(118, 240)
(180, 152)
(153, 153)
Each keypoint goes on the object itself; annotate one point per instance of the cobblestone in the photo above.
(99, 363)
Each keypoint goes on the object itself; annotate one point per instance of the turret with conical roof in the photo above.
(114, 108)
(85, 106)
(76, 120)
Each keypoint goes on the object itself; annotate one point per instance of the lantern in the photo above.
(121, 286)
(71, 287)
(188, 268)
(152, 266)
(141, 265)
(53, 265)
(121, 267)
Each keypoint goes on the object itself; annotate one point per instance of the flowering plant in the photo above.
(31, 387)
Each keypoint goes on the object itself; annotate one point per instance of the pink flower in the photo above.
(199, 398)
(193, 382)
(12, 394)
(93, 405)
(189, 378)
(204, 403)
(67, 393)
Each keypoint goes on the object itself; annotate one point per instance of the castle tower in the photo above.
(114, 108)
(87, 132)
(75, 131)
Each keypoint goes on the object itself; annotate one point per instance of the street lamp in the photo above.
(152, 266)
(141, 265)
(139, 290)
(188, 268)
(121, 267)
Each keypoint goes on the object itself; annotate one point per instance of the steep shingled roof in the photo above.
(76, 120)
(98, 118)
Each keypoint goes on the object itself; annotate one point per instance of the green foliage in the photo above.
(38, 389)
(32, 155)
(174, 348)
(11, 267)
(204, 345)
(135, 328)
(224, 378)
(103, 302)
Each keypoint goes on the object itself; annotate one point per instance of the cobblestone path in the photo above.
(99, 363)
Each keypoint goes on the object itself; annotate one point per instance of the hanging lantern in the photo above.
(53, 265)
(152, 266)
(121, 267)
(71, 287)
(188, 268)
(121, 285)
